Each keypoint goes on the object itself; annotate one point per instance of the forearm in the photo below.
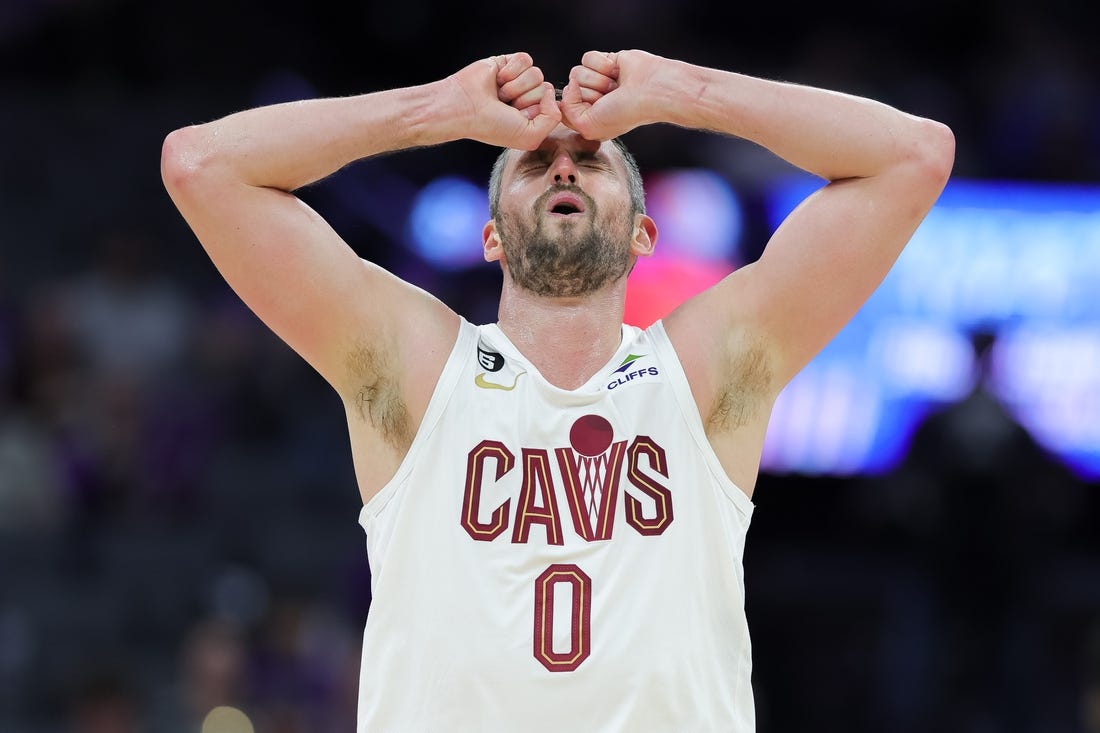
(830, 134)
(287, 146)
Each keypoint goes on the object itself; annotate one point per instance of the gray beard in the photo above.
(562, 259)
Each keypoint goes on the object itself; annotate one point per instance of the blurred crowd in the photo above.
(177, 507)
(169, 481)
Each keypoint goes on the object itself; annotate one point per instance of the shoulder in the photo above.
(728, 364)
(390, 370)
(390, 385)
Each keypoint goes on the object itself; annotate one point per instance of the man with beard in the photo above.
(556, 504)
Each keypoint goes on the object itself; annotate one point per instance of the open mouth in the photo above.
(565, 204)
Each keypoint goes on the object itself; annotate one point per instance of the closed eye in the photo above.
(532, 168)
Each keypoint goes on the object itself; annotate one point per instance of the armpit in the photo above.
(377, 400)
(742, 394)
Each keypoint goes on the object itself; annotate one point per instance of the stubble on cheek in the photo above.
(564, 259)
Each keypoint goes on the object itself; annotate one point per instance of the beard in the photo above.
(564, 258)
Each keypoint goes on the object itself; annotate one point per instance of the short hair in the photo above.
(633, 180)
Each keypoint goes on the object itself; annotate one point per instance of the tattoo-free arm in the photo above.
(232, 179)
(885, 169)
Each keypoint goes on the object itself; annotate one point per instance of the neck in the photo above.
(567, 339)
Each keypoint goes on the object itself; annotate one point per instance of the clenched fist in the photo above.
(504, 101)
(611, 93)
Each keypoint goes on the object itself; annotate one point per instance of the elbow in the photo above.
(934, 153)
(184, 157)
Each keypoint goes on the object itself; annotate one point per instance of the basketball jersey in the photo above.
(557, 560)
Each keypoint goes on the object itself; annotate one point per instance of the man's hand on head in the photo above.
(505, 101)
(606, 93)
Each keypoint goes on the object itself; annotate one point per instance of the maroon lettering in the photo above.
(537, 482)
(580, 621)
(644, 446)
(600, 482)
(471, 498)
(591, 488)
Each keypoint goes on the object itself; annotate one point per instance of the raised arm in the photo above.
(743, 340)
(885, 168)
(232, 180)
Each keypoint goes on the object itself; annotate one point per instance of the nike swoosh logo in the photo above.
(482, 382)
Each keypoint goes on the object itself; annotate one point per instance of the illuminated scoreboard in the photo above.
(1012, 264)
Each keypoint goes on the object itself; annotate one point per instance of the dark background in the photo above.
(177, 507)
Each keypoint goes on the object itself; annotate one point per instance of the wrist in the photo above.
(681, 94)
(691, 96)
(432, 114)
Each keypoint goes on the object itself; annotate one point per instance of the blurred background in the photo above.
(179, 548)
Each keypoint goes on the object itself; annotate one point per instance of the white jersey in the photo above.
(557, 560)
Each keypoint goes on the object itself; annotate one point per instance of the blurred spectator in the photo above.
(213, 671)
(105, 703)
(30, 480)
(127, 318)
(215, 667)
(300, 669)
(1001, 508)
(124, 421)
(31, 497)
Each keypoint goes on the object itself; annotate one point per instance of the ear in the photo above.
(644, 240)
(490, 242)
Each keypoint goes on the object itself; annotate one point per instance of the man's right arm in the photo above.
(232, 180)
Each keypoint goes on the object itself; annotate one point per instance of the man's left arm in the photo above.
(884, 168)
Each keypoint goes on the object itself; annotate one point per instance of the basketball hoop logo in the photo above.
(591, 468)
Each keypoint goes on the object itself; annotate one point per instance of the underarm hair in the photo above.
(747, 379)
(378, 398)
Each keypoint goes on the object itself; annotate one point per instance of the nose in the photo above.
(563, 169)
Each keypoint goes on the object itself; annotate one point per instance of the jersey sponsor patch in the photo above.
(498, 374)
(490, 361)
(630, 370)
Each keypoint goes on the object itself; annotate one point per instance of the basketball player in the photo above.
(556, 504)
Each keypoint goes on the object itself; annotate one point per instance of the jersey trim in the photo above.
(441, 395)
(592, 388)
(686, 400)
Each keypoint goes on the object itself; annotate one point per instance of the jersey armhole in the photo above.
(677, 379)
(441, 395)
